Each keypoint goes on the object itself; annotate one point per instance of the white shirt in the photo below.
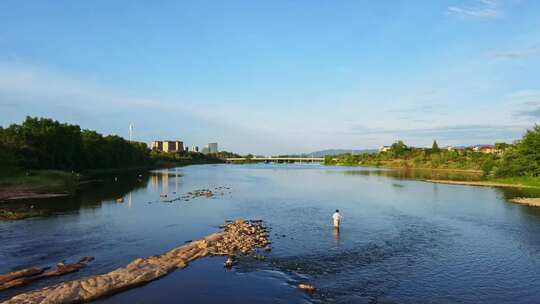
(336, 217)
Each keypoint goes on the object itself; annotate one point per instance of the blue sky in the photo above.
(271, 77)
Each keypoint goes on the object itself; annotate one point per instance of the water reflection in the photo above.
(404, 241)
(335, 235)
(409, 173)
(92, 195)
(161, 180)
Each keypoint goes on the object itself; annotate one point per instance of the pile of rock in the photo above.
(201, 192)
(238, 237)
(241, 237)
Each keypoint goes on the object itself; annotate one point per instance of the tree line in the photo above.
(42, 143)
(521, 158)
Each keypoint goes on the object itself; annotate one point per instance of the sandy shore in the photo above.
(529, 201)
(477, 183)
(7, 195)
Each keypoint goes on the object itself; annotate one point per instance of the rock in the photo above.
(307, 287)
(259, 257)
(230, 262)
(120, 200)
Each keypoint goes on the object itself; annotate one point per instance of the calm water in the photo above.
(402, 241)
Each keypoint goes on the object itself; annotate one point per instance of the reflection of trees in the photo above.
(414, 174)
(89, 196)
(509, 193)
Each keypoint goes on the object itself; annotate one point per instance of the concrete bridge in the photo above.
(277, 159)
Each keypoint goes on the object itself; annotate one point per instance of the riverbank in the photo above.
(36, 184)
(486, 183)
(396, 166)
(529, 201)
(463, 177)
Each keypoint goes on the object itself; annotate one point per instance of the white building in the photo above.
(213, 148)
(384, 148)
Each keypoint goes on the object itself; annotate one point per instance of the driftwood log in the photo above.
(239, 237)
(29, 275)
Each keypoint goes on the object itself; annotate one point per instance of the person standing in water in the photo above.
(337, 219)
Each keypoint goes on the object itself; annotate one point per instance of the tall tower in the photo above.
(130, 132)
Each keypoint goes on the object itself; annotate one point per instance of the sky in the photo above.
(276, 77)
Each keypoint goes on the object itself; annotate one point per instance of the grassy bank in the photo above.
(532, 182)
(41, 181)
(410, 164)
(433, 175)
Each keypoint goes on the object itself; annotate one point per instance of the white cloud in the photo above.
(516, 54)
(525, 104)
(31, 84)
(479, 9)
(37, 91)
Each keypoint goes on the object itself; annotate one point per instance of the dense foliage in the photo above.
(522, 158)
(40, 143)
(519, 159)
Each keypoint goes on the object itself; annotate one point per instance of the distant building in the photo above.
(157, 145)
(168, 145)
(194, 148)
(210, 148)
(213, 148)
(485, 149)
(384, 149)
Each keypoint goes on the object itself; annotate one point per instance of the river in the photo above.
(401, 241)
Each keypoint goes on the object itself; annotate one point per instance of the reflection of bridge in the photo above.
(276, 159)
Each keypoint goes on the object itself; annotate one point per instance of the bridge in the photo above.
(277, 159)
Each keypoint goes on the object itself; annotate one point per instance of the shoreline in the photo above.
(527, 201)
(478, 183)
(472, 171)
(500, 183)
(53, 183)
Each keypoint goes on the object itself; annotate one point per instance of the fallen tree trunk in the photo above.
(239, 237)
(4, 278)
(29, 275)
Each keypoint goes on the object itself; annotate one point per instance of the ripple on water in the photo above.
(365, 272)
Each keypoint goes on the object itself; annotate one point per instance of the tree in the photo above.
(435, 147)
(487, 166)
(398, 148)
(528, 150)
(523, 158)
(42, 143)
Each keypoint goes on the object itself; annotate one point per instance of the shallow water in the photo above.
(401, 241)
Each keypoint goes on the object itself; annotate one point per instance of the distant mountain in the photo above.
(328, 152)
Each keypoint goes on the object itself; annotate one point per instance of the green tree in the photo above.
(435, 147)
(41, 143)
(487, 166)
(398, 149)
(528, 150)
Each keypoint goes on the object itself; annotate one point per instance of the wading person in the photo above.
(337, 219)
